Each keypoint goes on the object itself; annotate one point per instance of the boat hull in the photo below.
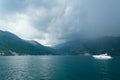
(102, 57)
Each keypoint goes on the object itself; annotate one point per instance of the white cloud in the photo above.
(18, 24)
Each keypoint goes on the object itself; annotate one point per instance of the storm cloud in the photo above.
(54, 21)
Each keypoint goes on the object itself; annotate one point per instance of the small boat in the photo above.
(102, 56)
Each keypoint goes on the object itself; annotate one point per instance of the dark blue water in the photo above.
(58, 68)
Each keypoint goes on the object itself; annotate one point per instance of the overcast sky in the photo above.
(53, 21)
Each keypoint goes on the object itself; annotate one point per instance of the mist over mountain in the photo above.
(81, 46)
(10, 44)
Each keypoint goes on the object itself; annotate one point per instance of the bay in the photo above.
(58, 68)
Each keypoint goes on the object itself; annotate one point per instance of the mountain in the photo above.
(11, 44)
(110, 45)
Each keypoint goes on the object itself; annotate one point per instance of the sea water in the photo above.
(58, 68)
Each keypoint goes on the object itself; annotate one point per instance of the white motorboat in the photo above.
(102, 56)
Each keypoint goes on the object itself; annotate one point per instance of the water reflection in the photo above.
(18, 68)
(26, 68)
(103, 70)
(58, 68)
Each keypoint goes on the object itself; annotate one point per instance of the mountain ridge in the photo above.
(9, 43)
(110, 45)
